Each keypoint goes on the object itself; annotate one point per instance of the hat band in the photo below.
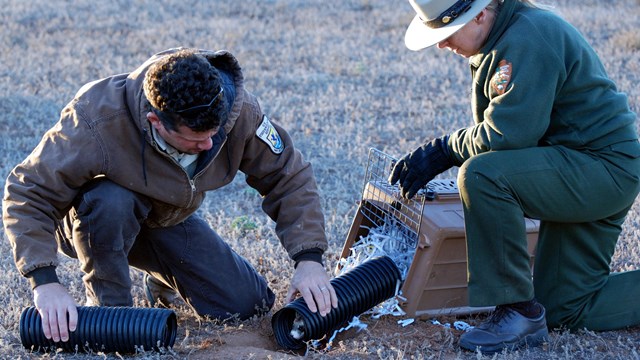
(447, 16)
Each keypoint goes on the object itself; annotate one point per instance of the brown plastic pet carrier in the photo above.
(436, 279)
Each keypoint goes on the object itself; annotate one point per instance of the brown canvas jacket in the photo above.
(103, 131)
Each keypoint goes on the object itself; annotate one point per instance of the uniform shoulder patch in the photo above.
(268, 133)
(502, 77)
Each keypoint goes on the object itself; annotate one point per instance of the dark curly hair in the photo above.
(181, 81)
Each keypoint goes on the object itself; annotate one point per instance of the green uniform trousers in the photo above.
(581, 199)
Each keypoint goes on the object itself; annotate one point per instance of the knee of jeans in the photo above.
(110, 199)
(257, 308)
(244, 307)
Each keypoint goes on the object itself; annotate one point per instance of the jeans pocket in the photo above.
(64, 240)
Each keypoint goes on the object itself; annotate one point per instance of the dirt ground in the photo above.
(256, 341)
(381, 338)
(386, 338)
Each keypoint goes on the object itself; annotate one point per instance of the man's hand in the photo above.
(312, 282)
(420, 166)
(54, 304)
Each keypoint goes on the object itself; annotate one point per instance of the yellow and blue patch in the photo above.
(268, 133)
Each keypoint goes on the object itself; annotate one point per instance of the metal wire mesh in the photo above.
(383, 203)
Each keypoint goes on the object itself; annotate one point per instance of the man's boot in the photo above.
(159, 293)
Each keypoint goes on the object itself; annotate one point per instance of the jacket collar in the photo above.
(498, 29)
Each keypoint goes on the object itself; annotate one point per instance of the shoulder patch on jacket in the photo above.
(502, 77)
(267, 133)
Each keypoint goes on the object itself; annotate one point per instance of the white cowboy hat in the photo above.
(439, 19)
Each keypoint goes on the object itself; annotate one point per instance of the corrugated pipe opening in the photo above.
(105, 329)
(358, 290)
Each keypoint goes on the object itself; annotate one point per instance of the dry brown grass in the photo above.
(337, 75)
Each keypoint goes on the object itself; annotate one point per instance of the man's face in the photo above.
(184, 139)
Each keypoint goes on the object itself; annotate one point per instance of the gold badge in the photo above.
(502, 77)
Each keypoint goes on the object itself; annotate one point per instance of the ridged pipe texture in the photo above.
(105, 329)
(358, 290)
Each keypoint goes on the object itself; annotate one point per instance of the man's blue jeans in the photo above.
(105, 231)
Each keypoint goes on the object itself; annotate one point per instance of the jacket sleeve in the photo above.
(512, 99)
(286, 181)
(39, 191)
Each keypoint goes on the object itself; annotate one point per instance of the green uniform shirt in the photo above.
(537, 82)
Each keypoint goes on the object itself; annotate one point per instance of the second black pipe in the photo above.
(358, 290)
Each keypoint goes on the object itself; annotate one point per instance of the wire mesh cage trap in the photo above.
(428, 229)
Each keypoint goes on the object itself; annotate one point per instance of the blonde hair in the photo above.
(534, 4)
(495, 5)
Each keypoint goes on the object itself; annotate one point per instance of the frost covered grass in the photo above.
(338, 77)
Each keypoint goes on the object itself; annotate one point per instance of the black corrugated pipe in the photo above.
(358, 290)
(105, 329)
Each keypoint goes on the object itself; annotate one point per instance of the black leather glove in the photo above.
(421, 165)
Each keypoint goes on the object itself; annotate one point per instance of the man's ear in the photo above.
(153, 119)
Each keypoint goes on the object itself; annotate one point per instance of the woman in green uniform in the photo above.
(552, 139)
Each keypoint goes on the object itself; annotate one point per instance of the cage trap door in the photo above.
(382, 204)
